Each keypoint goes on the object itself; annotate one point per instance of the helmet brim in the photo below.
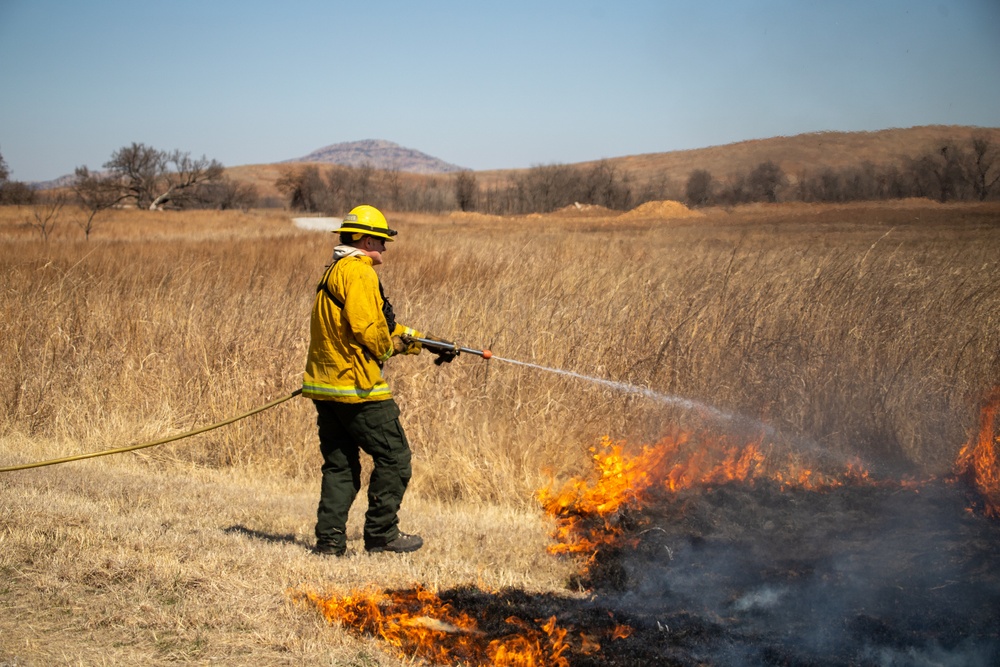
(367, 230)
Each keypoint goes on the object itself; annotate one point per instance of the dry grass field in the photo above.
(867, 330)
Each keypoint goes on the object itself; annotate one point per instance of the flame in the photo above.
(417, 623)
(673, 464)
(977, 461)
(621, 481)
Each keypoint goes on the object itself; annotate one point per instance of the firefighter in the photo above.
(352, 333)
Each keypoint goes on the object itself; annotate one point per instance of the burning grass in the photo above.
(696, 550)
(674, 464)
(419, 624)
(978, 464)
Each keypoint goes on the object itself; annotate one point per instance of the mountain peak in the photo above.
(380, 154)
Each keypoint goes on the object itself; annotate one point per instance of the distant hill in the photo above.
(380, 154)
(62, 182)
(795, 154)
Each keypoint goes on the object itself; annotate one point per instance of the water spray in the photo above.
(677, 401)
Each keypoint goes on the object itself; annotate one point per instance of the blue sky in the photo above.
(482, 85)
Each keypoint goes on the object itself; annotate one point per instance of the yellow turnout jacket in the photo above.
(349, 336)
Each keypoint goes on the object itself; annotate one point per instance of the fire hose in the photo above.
(162, 441)
(440, 346)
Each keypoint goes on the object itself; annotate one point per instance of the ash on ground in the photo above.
(850, 576)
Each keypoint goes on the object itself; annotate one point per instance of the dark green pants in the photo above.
(344, 430)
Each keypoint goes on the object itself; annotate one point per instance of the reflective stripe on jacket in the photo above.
(348, 343)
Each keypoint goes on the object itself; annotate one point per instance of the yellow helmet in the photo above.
(366, 220)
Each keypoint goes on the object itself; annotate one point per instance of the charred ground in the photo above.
(885, 574)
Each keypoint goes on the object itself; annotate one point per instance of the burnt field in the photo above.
(701, 549)
(864, 576)
(876, 575)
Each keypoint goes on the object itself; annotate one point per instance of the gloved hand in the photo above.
(445, 356)
(404, 344)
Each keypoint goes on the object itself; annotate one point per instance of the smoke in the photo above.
(853, 575)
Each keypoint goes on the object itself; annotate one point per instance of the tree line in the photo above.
(336, 189)
(952, 172)
(13, 192)
(540, 189)
(147, 178)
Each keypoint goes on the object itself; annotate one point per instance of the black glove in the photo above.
(444, 356)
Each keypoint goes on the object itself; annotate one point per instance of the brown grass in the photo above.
(860, 329)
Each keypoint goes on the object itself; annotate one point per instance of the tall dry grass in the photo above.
(858, 329)
(864, 330)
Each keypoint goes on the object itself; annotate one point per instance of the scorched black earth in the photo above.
(857, 575)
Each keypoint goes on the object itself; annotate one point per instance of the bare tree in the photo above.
(391, 183)
(765, 180)
(151, 178)
(225, 194)
(95, 192)
(303, 187)
(698, 190)
(466, 191)
(180, 181)
(734, 190)
(362, 188)
(984, 173)
(939, 174)
(604, 185)
(13, 192)
(137, 168)
(45, 216)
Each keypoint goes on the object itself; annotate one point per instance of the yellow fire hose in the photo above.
(130, 448)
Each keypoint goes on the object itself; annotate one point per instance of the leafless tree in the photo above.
(605, 185)
(765, 180)
(13, 192)
(182, 175)
(152, 178)
(466, 190)
(392, 186)
(45, 216)
(698, 190)
(136, 168)
(734, 190)
(362, 187)
(984, 170)
(225, 194)
(95, 192)
(304, 188)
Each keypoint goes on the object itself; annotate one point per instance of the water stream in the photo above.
(679, 401)
(704, 409)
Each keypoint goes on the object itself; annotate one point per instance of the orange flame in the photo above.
(978, 463)
(417, 623)
(673, 464)
(621, 480)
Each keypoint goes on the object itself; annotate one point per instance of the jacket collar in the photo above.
(342, 251)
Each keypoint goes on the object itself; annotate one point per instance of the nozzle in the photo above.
(434, 344)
